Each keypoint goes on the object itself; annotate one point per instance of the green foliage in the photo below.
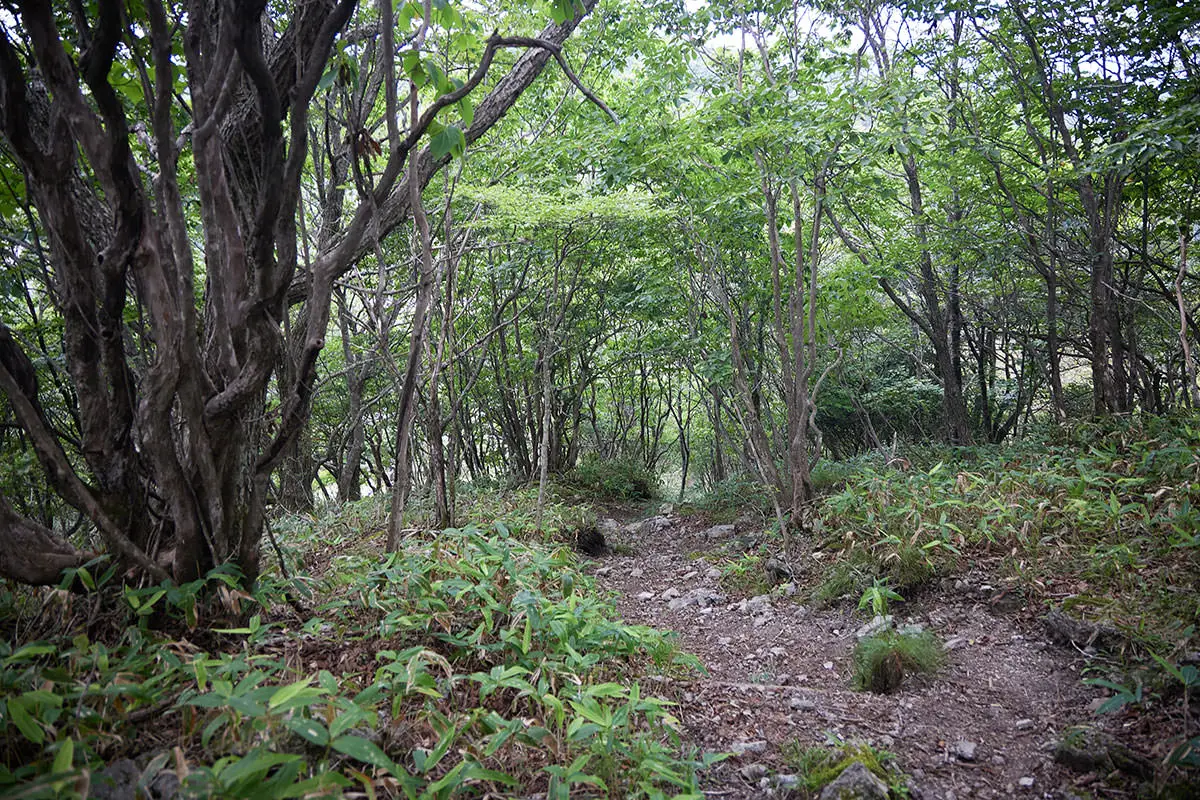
(845, 578)
(882, 662)
(614, 479)
(492, 650)
(726, 500)
(744, 576)
(1109, 509)
(877, 597)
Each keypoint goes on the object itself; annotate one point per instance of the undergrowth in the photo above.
(614, 479)
(472, 663)
(1107, 515)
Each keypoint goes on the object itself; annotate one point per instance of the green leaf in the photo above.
(450, 141)
(288, 692)
(28, 727)
(328, 78)
(466, 109)
(29, 651)
(64, 759)
(309, 730)
(366, 751)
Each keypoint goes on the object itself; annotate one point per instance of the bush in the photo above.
(882, 662)
(615, 479)
(726, 500)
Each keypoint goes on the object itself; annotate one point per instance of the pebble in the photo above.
(1024, 724)
(670, 594)
(690, 575)
(1026, 782)
(724, 640)
(712, 573)
(955, 643)
(741, 748)
(603, 571)
(877, 625)
(752, 772)
(998, 760)
(828, 665)
(964, 750)
(645, 596)
(802, 704)
(637, 572)
(787, 781)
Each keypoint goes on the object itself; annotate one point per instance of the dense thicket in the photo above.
(732, 239)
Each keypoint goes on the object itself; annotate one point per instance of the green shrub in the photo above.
(506, 669)
(615, 479)
(882, 662)
(732, 497)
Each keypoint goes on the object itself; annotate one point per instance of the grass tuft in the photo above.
(883, 661)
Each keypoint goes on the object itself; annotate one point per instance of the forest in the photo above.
(593, 398)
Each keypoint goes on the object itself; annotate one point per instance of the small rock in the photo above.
(116, 781)
(998, 760)
(802, 704)
(741, 748)
(787, 781)
(712, 573)
(964, 750)
(776, 570)
(670, 594)
(654, 525)
(855, 783)
(1023, 724)
(911, 629)
(745, 543)
(955, 643)
(724, 640)
(719, 532)
(637, 572)
(1026, 782)
(645, 595)
(603, 571)
(753, 772)
(828, 665)
(877, 625)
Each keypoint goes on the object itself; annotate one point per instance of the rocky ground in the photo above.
(779, 673)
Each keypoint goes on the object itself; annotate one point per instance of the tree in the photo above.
(166, 164)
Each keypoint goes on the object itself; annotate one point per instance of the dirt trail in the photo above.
(984, 726)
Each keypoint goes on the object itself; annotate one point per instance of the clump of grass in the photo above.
(614, 479)
(744, 576)
(844, 578)
(726, 501)
(817, 766)
(883, 661)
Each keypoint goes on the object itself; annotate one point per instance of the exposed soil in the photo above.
(781, 672)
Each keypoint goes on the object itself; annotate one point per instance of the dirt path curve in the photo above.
(779, 673)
